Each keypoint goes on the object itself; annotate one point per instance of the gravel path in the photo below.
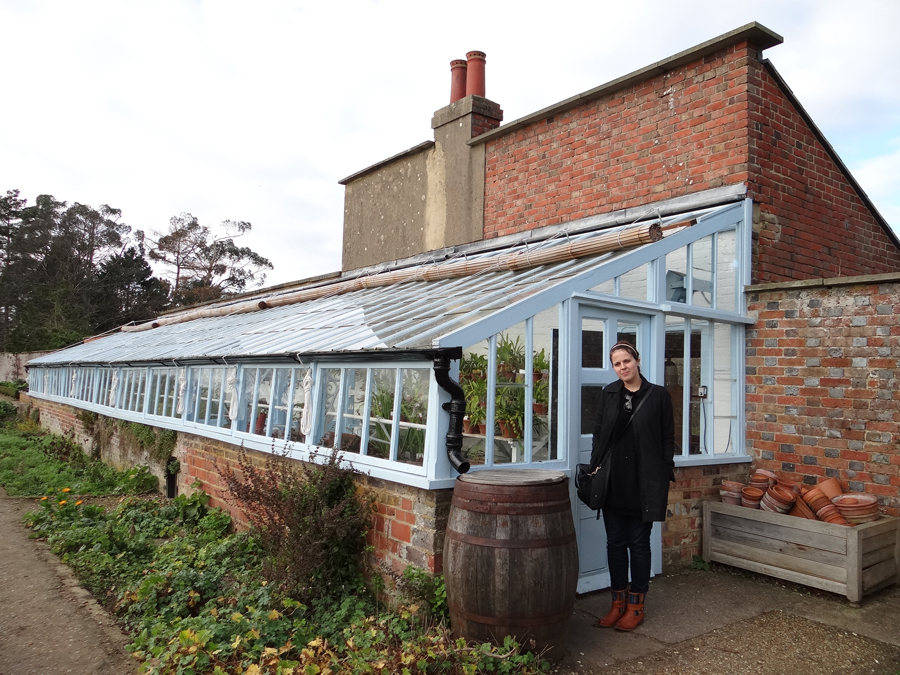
(49, 625)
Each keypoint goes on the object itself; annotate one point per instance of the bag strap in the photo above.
(609, 448)
(639, 406)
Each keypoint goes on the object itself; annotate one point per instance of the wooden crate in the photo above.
(851, 561)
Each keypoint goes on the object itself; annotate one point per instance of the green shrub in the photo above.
(419, 587)
(308, 520)
(7, 411)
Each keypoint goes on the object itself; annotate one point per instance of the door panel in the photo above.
(599, 329)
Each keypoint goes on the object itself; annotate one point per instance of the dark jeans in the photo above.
(624, 535)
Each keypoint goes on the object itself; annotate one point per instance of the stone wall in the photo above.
(823, 383)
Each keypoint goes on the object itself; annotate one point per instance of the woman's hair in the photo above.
(628, 347)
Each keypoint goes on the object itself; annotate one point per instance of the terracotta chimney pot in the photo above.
(457, 80)
(475, 74)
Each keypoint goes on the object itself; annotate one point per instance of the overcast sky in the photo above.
(254, 111)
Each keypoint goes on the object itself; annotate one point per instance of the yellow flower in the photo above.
(67, 489)
(43, 499)
(62, 502)
(79, 502)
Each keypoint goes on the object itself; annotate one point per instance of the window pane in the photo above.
(633, 284)
(384, 382)
(216, 409)
(676, 272)
(725, 385)
(281, 391)
(171, 392)
(352, 411)
(702, 281)
(590, 407)
(413, 415)
(299, 405)
(203, 376)
(140, 386)
(509, 398)
(593, 351)
(263, 398)
(248, 387)
(698, 408)
(608, 287)
(726, 271)
(473, 372)
(674, 375)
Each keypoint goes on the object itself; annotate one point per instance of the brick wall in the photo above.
(811, 222)
(723, 119)
(823, 384)
(408, 523)
(676, 133)
(683, 526)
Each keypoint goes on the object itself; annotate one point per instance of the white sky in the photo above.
(254, 111)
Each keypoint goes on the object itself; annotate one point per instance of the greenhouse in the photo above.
(524, 330)
(353, 369)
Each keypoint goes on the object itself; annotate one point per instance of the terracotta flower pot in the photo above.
(831, 487)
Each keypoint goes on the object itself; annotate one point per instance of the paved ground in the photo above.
(724, 621)
(728, 621)
(48, 624)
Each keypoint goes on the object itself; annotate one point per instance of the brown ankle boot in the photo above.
(616, 611)
(634, 612)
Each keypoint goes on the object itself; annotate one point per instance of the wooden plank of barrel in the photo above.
(510, 558)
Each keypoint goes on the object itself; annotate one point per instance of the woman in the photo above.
(635, 431)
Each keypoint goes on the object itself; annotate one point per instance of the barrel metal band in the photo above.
(531, 509)
(510, 543)
(513, 621)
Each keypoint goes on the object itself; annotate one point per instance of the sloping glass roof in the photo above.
(408, 315)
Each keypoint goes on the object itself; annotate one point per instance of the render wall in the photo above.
(823, 383)
(12, 366)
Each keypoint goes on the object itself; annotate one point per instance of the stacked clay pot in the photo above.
(778, 500)
(821, 505)
(857, 508)
(751, 497)
(731, 492)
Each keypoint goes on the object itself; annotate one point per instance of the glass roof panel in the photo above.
(405, 315)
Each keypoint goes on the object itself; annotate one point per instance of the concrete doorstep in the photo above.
(730, 621)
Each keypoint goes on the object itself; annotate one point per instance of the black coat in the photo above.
(653, 427)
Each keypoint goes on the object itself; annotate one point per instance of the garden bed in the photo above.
(850, 561)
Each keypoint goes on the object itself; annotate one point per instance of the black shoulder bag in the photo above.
(590, 485)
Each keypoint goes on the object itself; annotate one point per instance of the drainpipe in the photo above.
(457, 407)
(457, 80)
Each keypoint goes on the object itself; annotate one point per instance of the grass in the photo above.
(33, 466)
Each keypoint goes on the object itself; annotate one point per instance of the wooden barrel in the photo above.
(510, 558)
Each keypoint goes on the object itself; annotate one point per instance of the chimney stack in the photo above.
(475, 74)
(457, 80)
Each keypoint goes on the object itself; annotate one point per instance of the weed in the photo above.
(308, 520)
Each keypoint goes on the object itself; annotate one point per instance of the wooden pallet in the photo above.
(851, 561)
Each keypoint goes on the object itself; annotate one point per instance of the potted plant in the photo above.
(540, 366)
(476, 420)
(472, 367)
(541, 397)
(510, 357)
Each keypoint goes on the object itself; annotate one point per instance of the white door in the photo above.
(597, 330)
